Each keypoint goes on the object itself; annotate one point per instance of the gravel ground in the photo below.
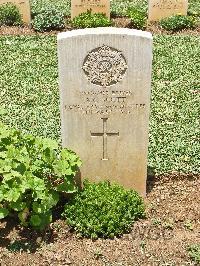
(121, 22)
(172, 223)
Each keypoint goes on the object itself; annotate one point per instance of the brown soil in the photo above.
(172, 223)
(122, 22)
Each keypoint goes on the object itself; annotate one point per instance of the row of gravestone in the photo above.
(158, 9)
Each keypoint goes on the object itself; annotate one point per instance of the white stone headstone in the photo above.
(159, 9)
(105, 80)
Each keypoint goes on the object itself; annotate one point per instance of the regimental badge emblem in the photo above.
(105, 66)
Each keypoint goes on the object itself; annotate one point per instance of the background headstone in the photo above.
(105, 80)
(96, 6)
(159, 9)
(24, 8)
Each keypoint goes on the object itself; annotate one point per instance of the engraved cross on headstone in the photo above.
(104, 134)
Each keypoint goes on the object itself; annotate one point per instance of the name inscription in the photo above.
(106, 102)
(169, 4)
(90, 3)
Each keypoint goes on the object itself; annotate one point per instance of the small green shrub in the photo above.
(47, 20)
(10, 15)
(89, 20)
(194, 252)
(103, 210)
(138, 18)
(33, 172)
(177, 22)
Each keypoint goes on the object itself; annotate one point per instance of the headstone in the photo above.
(24, 8)
(159, 9)
(105, 80)
(96, 6)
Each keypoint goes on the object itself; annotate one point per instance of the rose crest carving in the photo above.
(105, 66)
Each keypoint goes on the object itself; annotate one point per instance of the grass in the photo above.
(61, 5)
(29, 92)
(175, 109)
(29, 84)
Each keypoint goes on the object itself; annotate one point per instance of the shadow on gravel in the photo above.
(14, 237)
(151, 178)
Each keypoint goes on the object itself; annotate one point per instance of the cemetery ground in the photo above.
(172, 224)
(29, 94)
(29, 82)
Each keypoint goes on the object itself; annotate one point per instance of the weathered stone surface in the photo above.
(104, 80)
(96, 6)
(24, 8)
(159, 9)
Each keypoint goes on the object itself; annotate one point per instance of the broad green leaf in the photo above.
(38, 208)
(3, 155)
(35, 220)
(47, 143)
(66, 186)
(36, 183)
(1, 194)
(3, 213)
(51, 198)
(21, 168)
(18, 206)
(8, 176)
(4, 132)
(5, 166)
(12, 195)
(62, 168)
(46, 218)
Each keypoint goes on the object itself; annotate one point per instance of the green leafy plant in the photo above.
(189, 225)
(10, 15)
(156, 221)
(169, 224)
(62, 6)
(177, 22)
(89, 20)
(19, 246)
(103, 210)
(47, 20)
(138, 18)
(194, 252)
(33, 171)
(119, 8)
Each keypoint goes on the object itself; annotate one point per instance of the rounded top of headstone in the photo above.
(104, 31)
